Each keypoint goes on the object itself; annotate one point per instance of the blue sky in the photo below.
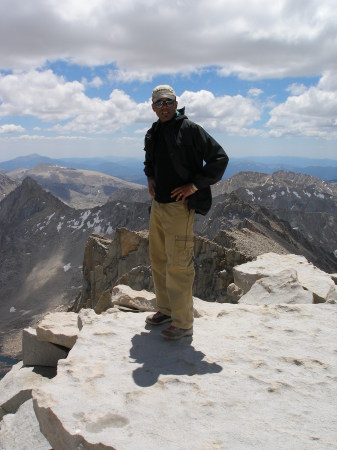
(76, 76)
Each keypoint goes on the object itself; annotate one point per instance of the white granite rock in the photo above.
(252, 377)
(143, 300)
(37, 353)
(86, 317)
(276, 289)
(16, 387)
(310, 277)
(21, 431)
(58, 328)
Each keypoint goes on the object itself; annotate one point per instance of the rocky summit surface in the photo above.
(253, 376)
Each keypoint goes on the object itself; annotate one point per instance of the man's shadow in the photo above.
(164, 357)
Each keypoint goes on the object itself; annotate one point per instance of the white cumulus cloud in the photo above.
(146, 37)
(311, 113)
(11, 128)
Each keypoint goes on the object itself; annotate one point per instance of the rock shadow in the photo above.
(164, 357)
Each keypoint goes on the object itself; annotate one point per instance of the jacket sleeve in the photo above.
(149, 149)
(214, 157)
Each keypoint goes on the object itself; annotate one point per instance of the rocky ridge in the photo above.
(308, 204)
(7, 185)
(270, 365)
(238, 224)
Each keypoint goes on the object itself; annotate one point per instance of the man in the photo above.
(181, 162)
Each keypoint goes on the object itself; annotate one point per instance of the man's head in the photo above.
(164, 102)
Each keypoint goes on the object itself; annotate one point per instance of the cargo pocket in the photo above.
(183, 250)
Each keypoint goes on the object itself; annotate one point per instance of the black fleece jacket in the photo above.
(196, 156)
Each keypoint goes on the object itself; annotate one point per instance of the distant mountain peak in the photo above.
(26, 200)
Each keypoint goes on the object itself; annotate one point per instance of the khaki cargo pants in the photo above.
(171, 244)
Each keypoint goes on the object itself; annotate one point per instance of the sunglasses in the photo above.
(160, 103)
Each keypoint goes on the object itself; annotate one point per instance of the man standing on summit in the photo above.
(181, 162)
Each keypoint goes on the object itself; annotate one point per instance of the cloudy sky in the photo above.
(76, 75)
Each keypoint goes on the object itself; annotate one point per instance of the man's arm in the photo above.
(215, 157)
(151, 186)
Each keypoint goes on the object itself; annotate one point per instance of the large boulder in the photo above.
(283, 287)
(300, 271)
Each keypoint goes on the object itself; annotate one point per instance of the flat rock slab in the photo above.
(16, 387)
(59, 328)
(21, 431)
(252, 377)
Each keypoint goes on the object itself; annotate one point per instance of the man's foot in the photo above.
(158, 318)
(176, 333)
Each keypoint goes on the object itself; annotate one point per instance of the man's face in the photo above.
(163, 111)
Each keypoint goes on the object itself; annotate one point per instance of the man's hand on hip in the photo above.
(182, 192)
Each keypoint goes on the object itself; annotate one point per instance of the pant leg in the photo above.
(158, 258)
(176, 278)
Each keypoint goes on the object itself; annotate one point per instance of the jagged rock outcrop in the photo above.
(261, 365)
(106, 261)
(125, 260)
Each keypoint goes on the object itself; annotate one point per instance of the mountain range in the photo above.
(78, 188)
(131, 169)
